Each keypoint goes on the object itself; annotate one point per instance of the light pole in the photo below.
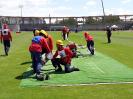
(21, 15)
(1, 22)
(103, 10)
(103, 7)
(21, 10)
(49, 22)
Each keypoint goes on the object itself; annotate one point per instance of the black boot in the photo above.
(40, 77)
(59, 69)
(75, 69)
(47, 77)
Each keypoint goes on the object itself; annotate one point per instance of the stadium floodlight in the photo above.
(1, 18)
(103, 10)
(21, 9)
(49, 22)
(103, 7)
(21, 15)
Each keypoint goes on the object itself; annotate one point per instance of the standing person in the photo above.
(64, 33)
(38, 43)
(65, 58)
(0, 33)
(68, 31)
(90, 42)
(6, 38)
(109, 33)
(76, 29)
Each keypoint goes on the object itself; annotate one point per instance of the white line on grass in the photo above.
(90, 84)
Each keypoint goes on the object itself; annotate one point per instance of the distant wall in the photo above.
(57, 27)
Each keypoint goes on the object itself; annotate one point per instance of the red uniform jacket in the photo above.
(6, 35)
(64, 30)
(39, 42)
(88, 37)
(73, 48)
(65, 54)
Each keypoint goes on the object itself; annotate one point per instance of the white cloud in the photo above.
(59, 11)
(67, 0)
(36, 2)
(118, 11)
(8, 3)
(91, 2)
(59, 8)
(126, 1)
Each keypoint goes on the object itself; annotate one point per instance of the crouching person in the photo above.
(38, 43)
(65, 58)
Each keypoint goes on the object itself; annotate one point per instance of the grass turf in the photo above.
(14, 65)
(93, 69)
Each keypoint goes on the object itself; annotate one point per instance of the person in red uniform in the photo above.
(64, 33)
(90, 42)
(68, 32)
(65, 58)
(6, 38)
(73, 48)
(38, 43)
(49, 39)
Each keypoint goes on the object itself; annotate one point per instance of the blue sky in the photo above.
(65, 7)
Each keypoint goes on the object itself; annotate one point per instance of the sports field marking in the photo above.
(91, 84)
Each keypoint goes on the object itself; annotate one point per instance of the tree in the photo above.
(68, 22)
(92, 20)
(111, 19)
(89, 20)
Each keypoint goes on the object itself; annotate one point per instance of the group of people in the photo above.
(42, 43)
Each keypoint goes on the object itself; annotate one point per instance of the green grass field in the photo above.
(18, 61)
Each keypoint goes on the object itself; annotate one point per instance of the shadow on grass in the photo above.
(25, 75)
(29, 74)
(52, 71)
(105, 43)
(55, 72)
(3, 55)
(24, 63)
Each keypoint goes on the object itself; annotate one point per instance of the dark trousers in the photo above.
(36, 62)
(6, 46)
(90, 46)
(64, 36)
(68, 34)
(108, 37)
(57, 62)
